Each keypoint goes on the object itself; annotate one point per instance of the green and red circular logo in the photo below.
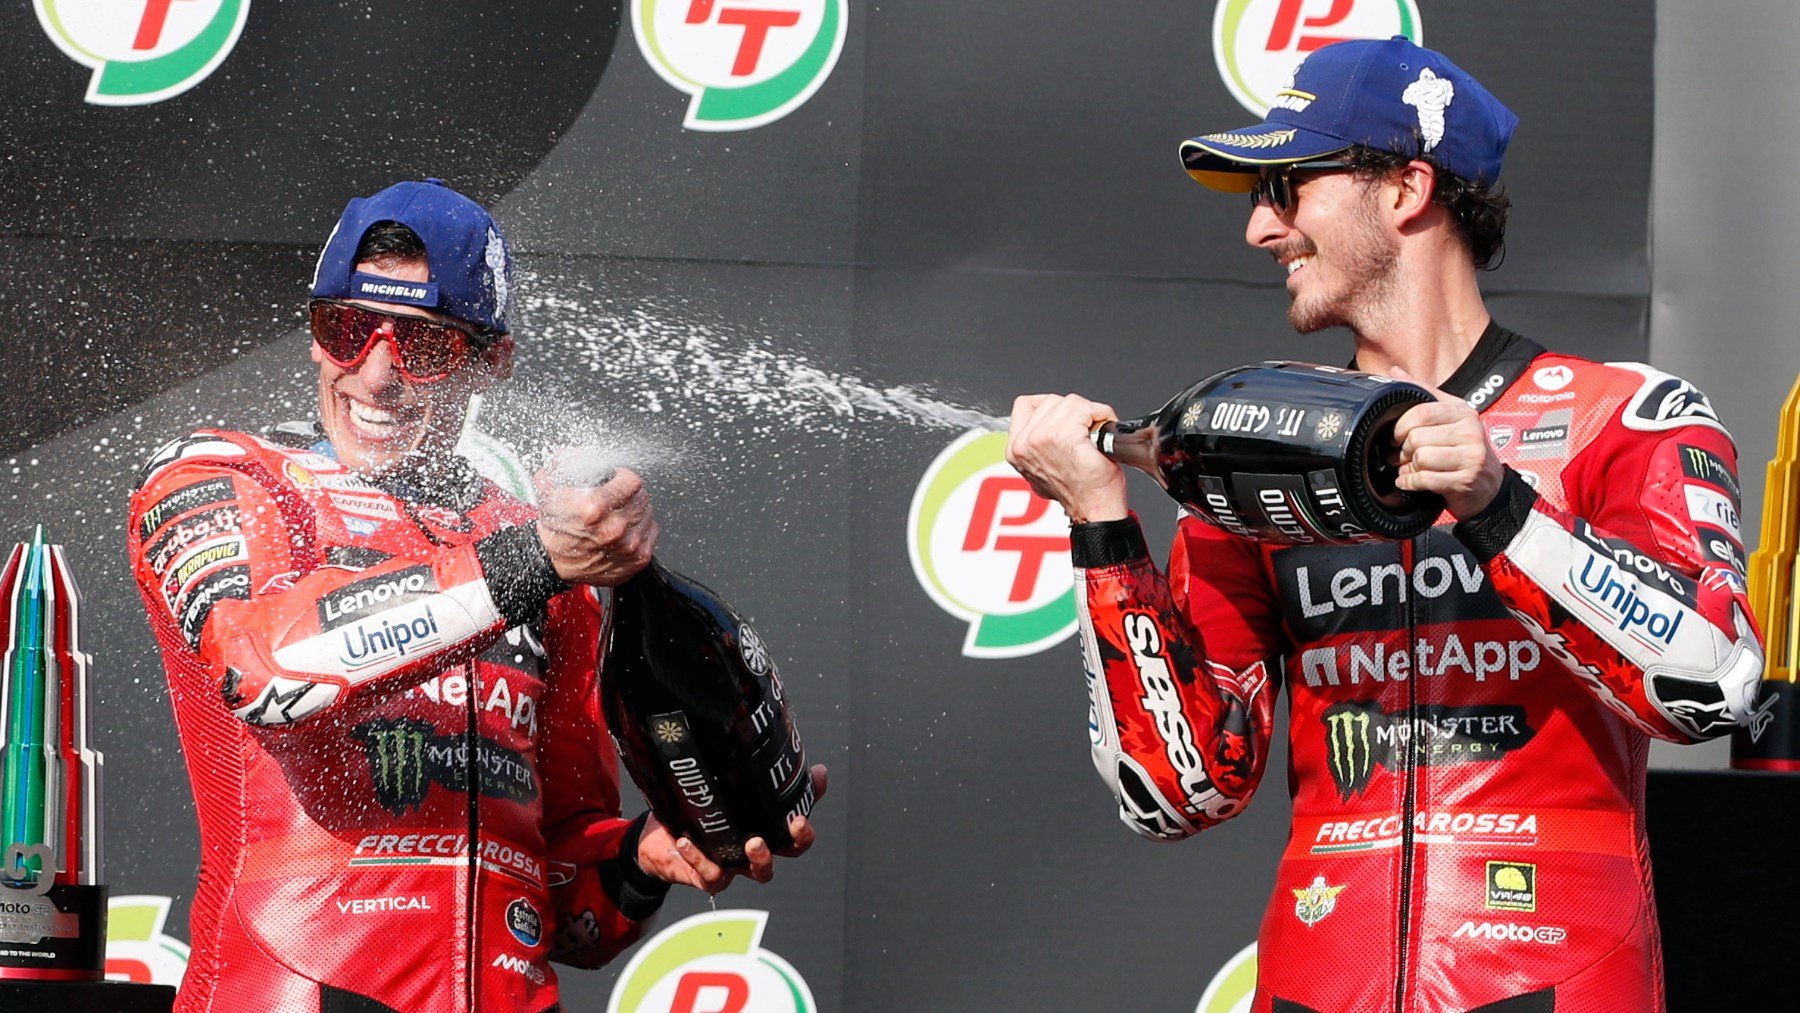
(992, 552)
(711, 963)
(1234, 988)
(745, 62)
(143, 51)
(137, 948)
(1258, 43)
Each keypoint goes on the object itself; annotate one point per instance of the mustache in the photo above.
(1297, 248)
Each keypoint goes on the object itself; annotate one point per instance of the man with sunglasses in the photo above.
(1470, 711)
(384, 668)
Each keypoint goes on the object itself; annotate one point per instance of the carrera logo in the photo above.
(1549, 935)
(1259, 44)
(991, 552)
(747, 63)
(143, 52)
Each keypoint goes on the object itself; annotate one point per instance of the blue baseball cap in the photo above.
(1389, 94)
(471, 267)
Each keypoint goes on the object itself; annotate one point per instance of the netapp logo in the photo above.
(391, 289)
(1512, 932)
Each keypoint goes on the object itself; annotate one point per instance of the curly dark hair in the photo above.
(1479, 212)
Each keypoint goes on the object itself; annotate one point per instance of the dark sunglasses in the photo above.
(1276, 184)
(424, 350)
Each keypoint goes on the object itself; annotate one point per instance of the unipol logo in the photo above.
(1257, 44)
(143, 51)
(990, 551)
(745, 62)
(711, 963)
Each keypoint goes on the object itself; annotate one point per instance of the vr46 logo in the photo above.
(989, 550)
(711, 963)
(143, 51)
(746, 62)
(1258, 43)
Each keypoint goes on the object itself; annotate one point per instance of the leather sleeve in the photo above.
(1180, 706)
(1638, 588)
(227, 553)
(604, 901)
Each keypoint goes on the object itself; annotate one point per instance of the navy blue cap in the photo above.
(1389, 94)
(471, 268)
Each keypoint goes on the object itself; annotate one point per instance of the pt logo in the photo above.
(990, 551)
(1234, 987)
(1257, 44)
(747, 63)
(137, 948)
(143, 51)
(711, 963)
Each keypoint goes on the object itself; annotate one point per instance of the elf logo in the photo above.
(990, 551)
(711, 963)
(1258, 44)
(747, 63)
(143, 51)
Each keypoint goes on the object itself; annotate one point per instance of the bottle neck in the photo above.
(1130, 443)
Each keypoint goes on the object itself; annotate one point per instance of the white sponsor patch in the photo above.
(1714, 508)
(1502, 932)
(1553, 377)
(372, 647)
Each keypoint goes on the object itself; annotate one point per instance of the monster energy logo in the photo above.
(1360, 736)
(407, 756)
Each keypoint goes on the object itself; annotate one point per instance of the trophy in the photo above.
(1772, 739)
(52, 905)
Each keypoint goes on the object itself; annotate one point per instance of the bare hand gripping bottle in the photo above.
(1282, 452)
(701, 719)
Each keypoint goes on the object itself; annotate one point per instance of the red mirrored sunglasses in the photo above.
(424, 350)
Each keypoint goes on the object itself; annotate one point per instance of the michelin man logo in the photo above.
(1431, 95)
(496, 263)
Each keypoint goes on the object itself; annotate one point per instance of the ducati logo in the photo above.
(746, 63)
(711, 962)
(1258, 44)
(990, 551)
(143, 51)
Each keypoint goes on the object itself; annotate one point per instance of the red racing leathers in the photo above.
(1469, 712)
(406, 794)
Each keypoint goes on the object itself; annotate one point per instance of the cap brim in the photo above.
(1228, 162)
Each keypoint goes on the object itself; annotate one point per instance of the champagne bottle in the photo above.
(702, 721)
(1283, 452)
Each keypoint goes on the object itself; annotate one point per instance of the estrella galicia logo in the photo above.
(523, 920)
(143, 52)
(990, 551)
(711, 961)
(1257, 44)
(1360, 737)
(407, 756)
(747, 63)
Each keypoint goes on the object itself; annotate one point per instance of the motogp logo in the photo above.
(143, 51)
(747, 63)
(1258, 44)
(990, 551)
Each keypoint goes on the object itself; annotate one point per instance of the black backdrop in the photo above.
(982, 200)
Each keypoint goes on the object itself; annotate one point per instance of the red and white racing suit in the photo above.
(406, 793)
(1469, 712)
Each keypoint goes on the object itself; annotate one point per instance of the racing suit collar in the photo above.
(1498, 359)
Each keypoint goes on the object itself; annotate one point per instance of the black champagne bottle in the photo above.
(1284, 452)
(697, 707)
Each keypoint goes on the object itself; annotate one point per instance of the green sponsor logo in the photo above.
(1234, 987)
(990, 551)
(137, 948)
(1258, 43)
(746, 63)
(143, 51)
(711, 961)
(407, 756)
